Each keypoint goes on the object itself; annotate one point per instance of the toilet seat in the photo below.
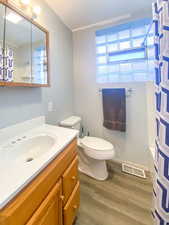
(96, 144)
(97, 148)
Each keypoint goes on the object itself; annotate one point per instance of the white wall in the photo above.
(130, 146)
(150, 87)
(19, 104)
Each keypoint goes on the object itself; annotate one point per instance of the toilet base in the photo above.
(93, 175)
(96, 169)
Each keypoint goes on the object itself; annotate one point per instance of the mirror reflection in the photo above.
(23, 50)
(39, 58)
(17, 48)
(2, 23)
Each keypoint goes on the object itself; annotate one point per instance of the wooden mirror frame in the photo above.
(18, 84)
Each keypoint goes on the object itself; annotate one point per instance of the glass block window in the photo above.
(39, 66)
(125, 52)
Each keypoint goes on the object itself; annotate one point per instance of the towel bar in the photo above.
(128, 91)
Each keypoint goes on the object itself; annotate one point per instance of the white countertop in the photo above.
(15, 173)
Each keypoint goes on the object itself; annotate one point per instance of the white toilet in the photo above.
(93, 152)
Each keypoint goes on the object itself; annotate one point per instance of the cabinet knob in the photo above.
(62, 197)
(73, 178)
(75, 206)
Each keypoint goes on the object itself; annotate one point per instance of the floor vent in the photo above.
(127, 168)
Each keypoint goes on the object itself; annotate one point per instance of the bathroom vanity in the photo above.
(46, 190)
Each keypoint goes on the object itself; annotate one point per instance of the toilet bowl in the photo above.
(93, 152)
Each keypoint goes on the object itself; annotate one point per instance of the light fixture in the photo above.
(37, 10)
(25, 5)
(25, 2)
(13, 17)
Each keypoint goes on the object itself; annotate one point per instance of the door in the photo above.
(70, 179)
(50, 211)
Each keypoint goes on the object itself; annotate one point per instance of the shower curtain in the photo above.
(6, 64)
(161, 180)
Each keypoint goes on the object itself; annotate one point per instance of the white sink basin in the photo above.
(24, 156)
(32, 148)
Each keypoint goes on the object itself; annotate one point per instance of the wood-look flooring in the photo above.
(121, 200)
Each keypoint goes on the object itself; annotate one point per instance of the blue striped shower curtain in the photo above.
(6, 64)
(161, 181)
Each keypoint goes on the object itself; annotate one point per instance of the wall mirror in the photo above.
(23, 50)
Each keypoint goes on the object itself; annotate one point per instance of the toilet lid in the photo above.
(96, 144)
(71, 121)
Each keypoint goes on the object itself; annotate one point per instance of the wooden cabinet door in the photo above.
(70, 179)
(72, 206)
(50, 211)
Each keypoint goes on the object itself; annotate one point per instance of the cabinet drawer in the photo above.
(70, 179)
(71, 208)
(50, 211)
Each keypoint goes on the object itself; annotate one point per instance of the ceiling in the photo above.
(80, 13)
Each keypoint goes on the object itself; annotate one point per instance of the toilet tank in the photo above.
(73, 122)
